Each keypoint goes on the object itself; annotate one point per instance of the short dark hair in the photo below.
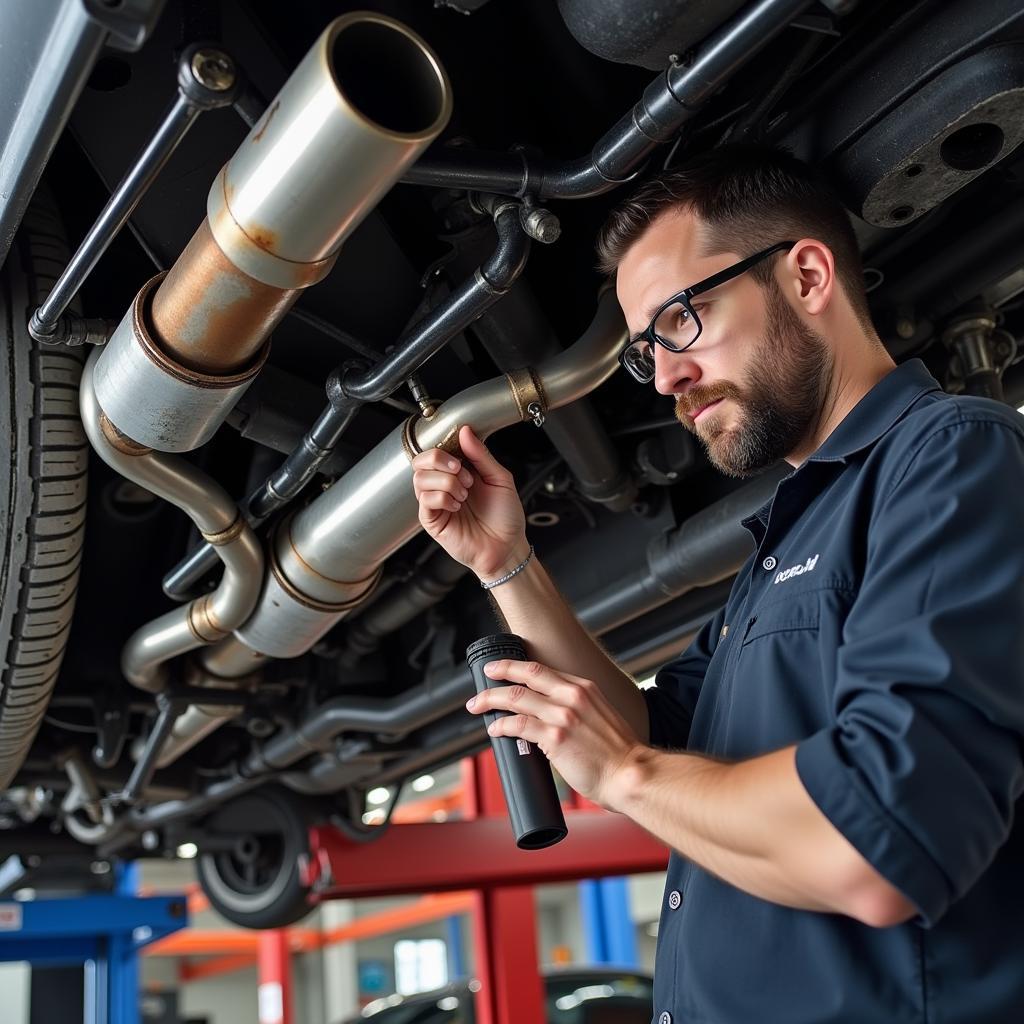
(749, 196)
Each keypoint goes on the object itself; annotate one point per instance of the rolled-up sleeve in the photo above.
(672, 698)
(923, 765)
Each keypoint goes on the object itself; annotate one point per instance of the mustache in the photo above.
(696, 398)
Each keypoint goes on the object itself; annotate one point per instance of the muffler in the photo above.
(363, 104)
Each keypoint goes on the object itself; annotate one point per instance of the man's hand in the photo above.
(568, 717)
(478, 519)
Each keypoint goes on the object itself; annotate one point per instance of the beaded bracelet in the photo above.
(514, 572)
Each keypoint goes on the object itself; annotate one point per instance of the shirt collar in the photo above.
(874, 415)
(877, 412)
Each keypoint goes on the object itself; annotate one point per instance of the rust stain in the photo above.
(264, 238)
(270, 116)
(210, 316)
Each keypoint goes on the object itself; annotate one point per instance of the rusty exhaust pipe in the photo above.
(362, 105)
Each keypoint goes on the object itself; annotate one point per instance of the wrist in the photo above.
(518, 554)
(629, 779)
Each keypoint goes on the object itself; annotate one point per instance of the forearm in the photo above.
(534, 609)
(753, 825)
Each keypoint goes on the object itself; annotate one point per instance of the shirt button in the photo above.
(675, 898)
(769, 563)
(665, 1017)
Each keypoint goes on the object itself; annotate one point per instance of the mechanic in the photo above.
(836, 758)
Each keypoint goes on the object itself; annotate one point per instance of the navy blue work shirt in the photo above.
(879, 627)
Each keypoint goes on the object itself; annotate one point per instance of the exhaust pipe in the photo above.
(363, 104)
(207, 618)
(326, 559)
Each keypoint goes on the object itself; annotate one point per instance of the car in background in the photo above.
(575, 995)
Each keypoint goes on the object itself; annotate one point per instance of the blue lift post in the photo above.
(607, 924)
(105, 932)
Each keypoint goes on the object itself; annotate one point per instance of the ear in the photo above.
(811, 269)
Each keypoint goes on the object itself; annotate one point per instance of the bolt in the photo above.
(542, 225)
(259, 727)
(213, 69)
(905, 327)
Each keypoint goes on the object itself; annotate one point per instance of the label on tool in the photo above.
(523, 747)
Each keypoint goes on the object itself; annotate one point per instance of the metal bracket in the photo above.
(111, 732)
(207, 78)
(129, 22)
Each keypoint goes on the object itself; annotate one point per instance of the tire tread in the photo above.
(48, 537)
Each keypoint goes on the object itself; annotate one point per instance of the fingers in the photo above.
(440, 484)
(535, 675)
(546, 737)
(537, 691)
(483, 461)
(436, 461)
(474, 452)
(428, 481)
(516, 699)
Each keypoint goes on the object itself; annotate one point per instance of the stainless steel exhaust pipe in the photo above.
(207, 618)
(326, 558)
(363, 104)
(194, 725)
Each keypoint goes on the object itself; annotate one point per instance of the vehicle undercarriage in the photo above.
(220, 618)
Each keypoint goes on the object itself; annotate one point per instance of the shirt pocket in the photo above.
(777, 688)
(799, 612)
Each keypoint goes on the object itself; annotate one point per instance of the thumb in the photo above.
(475, 451)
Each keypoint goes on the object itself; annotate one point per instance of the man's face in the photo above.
(753, 386)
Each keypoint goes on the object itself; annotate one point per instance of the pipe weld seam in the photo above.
(287, 527)
(484, 282)
(142, 336)
(324, 606)
(119, 440)
(252, 258)
(409, 443)
(202, 623)
(226, 536)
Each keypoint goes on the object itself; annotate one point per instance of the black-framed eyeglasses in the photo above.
(675, 324)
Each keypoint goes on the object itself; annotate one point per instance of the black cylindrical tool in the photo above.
(533, 807)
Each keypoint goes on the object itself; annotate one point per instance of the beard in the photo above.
(780, 402)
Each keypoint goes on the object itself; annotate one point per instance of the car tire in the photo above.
(42, 489)
(265, 886)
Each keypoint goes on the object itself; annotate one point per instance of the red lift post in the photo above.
(479, 853)
(274, 969)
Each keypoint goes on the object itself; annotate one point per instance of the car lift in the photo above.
(104, 932)
(478, 853)
(475, 853)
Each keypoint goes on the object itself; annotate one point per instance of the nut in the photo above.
(213, 70)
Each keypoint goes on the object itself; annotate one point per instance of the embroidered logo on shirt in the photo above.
(796, 570)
